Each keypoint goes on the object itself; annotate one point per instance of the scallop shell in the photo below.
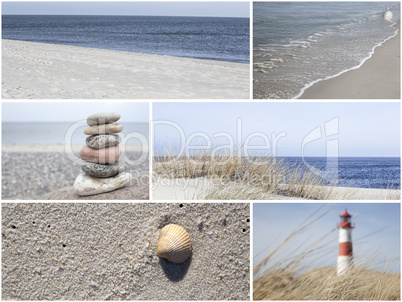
(174, 243)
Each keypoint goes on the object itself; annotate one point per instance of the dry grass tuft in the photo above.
(258, 178)
(324, 284)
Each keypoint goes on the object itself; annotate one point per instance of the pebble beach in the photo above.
(29, 172)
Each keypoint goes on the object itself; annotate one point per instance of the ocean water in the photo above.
(298, 43)
(359, 172)
(223, 39)
(55, 133)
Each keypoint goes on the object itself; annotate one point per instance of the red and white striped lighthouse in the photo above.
(345, 256)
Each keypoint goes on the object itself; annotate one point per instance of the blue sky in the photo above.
(210, 9)
(365, 129)
(134, 112)
(274, 221)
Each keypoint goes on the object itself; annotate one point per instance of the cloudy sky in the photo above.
(209, 9)
(132, 112)
(361, 129)
(376, 233)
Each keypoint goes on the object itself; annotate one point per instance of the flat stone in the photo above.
(101, 156)
(102, 171)
(104, 129)
(86, 185)
(103, 118)
(137, 189)
(103, 140)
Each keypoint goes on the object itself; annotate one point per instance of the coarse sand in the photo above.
(97, 251)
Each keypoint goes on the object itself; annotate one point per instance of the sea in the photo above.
(212, 38)
(55, 133)
(296, 44)
(359, 172)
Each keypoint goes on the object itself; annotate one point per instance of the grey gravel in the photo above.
(29, 175)
(97, 251)
(105, 170)
(102, 141)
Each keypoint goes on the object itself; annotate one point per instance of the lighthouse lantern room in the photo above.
(345, 256)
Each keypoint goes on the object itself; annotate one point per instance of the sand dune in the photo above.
(203, 188)
(37, 70)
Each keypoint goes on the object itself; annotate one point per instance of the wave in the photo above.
(348, 69)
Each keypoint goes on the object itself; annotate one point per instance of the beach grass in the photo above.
(324, 284)
(286, 274)
(253, 178)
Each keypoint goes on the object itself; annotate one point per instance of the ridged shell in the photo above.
(174, 243)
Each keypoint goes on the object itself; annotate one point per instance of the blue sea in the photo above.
(359, 172)
(55, 133)
(223, 39)
(298, 43)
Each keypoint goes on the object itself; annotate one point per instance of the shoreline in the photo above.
(43, 70)
(376, 77)
(140, 53)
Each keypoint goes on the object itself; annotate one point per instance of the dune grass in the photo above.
(324, 284)
(295, 275)
(258, 178)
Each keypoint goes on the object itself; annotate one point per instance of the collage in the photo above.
(204, 150)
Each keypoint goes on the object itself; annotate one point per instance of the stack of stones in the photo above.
(102, 170)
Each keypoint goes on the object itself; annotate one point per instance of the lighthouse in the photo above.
(345, 256)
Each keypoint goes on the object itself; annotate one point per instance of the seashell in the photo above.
(174, 243)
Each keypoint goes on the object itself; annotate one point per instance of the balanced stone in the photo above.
(86, 185)
(101, 156)
(102, 118)
(103, 129)
(109, 170)
(102, 141)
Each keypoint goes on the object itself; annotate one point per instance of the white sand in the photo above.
(368, 194)
(197, 188)
(180, 188)
(37, 70)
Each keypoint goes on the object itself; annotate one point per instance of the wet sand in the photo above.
(378, 78)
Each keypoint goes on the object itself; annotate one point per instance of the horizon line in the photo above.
(124, 15)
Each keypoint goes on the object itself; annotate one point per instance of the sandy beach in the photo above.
(202, 188)
(378, 78)
(31, 171)
(84, 251)
(49, 71)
